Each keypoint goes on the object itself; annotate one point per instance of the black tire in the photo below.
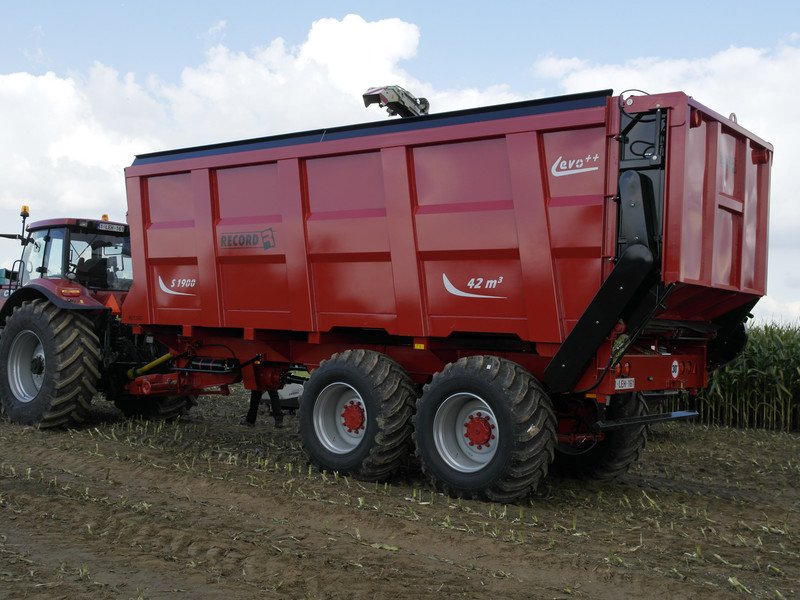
(612, 457)
(155, 408)
(355, 415)
(49, 365)
(503, 400)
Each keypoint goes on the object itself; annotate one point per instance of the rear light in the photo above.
(626, 369)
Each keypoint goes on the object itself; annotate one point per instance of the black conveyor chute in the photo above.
(635, 263)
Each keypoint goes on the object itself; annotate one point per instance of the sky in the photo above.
(85, 86)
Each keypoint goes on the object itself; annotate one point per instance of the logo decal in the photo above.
(166, 290)
(572, 166)
(457, 292)
(264, 239)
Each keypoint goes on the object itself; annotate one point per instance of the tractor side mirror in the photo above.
(7, 276)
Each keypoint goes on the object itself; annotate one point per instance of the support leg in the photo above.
(275, 408)
(252, 413)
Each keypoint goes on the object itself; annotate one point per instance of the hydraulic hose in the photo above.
(135, 372)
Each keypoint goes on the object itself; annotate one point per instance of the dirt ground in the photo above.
(207, 508)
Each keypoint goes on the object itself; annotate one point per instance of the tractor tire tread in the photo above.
(75, 362)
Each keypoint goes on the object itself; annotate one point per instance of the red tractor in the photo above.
(62, 340)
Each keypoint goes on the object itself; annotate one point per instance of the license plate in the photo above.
(624, 383)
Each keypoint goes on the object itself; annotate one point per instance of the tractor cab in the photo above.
(93, 253)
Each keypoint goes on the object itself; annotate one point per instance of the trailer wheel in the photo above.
(614, 455)
(48, 366)
(156, 408)
(485, 428)
(355, 414)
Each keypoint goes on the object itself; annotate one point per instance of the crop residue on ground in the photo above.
(208, 508)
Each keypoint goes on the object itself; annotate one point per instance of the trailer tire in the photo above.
(612, 457)
(156, 408)
(49, 365)
(355, 415)
(484, 428)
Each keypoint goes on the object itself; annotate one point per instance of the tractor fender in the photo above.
(52, 291)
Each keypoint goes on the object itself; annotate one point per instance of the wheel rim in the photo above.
(340, 418)
(465, 432)
(26, 366)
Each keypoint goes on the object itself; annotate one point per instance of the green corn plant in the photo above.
(761, 387)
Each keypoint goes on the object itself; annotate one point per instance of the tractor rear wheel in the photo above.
(355, 415)
(49, 365)
(484, 428)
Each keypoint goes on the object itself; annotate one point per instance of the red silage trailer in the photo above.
(498, 288)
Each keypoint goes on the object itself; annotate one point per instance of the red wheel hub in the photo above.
(479, 430)
(353, 417)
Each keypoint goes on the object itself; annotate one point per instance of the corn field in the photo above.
(761, 388)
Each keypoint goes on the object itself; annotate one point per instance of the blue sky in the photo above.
(86, 85)
(462, 44)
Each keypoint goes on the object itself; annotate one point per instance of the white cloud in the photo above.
(760, 86)
(65, 139)
(60, 152)
(556, 67)
(356, 54)
(275, 89)
(770, 310)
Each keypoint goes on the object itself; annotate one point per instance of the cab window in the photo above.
(44, 255)
(100, 261)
